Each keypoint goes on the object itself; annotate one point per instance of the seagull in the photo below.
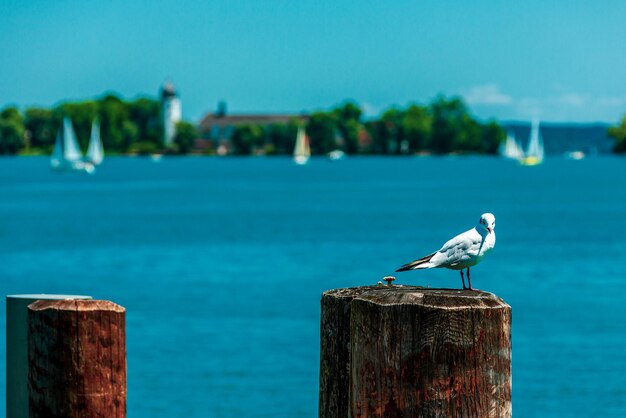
(463, 251)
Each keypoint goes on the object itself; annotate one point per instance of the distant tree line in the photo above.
(443, 126)
(125, 126)
(619, 134)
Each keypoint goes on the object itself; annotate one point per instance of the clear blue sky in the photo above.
(513, 60)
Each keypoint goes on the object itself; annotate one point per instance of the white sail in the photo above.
(71, 150)
(511, 148)
(302, 150)
(535, 145)
(66, 154)
(95, 152)
(534, 152)
(56, 159)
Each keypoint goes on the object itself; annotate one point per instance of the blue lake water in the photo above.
(220, 263)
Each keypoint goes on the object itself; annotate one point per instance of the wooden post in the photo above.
(421, 352)
(77, 359)
(17, 350)
(335, 351)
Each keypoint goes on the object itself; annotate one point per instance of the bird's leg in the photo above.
(463, 280)
(469, 281)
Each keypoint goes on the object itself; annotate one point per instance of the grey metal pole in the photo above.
(17, 350)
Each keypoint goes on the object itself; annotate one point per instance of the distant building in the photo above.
(172, 112)
(216, 129)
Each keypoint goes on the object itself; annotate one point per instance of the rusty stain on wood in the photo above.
(77, 359)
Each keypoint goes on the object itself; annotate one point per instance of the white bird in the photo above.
(463, 251)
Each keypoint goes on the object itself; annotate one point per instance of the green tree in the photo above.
(382, 132)
(619, 134)
(113, 113)
(283, 137)
(372, 128)
(492, 136)
(446, 124)
(321, 130)
(11, 131)
(247, 138)
(349, 125)
(453, 129)
(40, 127)
(146, 114)
(186, 134)
(471, 139)
(130, 134)
(394, 133)
(416, 128)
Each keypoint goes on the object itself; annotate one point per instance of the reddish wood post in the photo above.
(77, 359)
(430, 353)
(415, 352)
(17, 349)
(334, 399)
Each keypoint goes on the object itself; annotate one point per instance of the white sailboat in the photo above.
(336, 155)
(535, 152)
(95, 152)
(575, 155)
(511, 148)
(66, 154)
(302, 150)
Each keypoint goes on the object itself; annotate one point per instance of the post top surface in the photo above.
(76, 305)
(434, 298)
(44, 296)
(351, 292)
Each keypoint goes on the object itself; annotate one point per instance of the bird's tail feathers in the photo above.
(421, 263)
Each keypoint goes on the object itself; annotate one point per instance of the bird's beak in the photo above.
(489, 229)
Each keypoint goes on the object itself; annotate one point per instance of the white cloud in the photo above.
(562, 105)
(611, 101)
(571, 99)
(487, 94)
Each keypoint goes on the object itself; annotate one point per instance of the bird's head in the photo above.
(487, 223)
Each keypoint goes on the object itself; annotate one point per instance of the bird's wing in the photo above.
(458, 250)
(417, 263)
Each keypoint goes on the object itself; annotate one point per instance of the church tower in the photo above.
(172, 112)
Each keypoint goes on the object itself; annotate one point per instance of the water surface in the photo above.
(220, 264)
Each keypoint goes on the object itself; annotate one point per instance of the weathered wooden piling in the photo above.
(414, 352)
(334, 401)
(77, 359)
(17, 349)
